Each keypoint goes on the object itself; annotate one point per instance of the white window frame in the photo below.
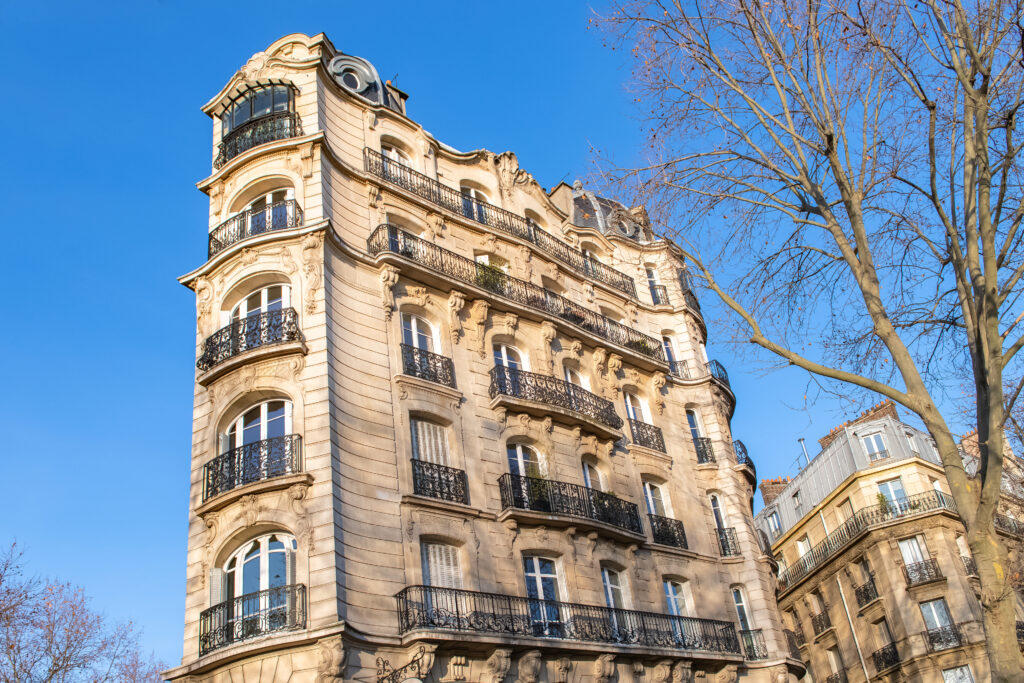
(394, 153)
(678, 597)
(636, 408)
(234, 433)
(573, 376)
(743, 613)
(650, 488)
(887, 485)
(956, 674)
(614, 585)
(524, 363)
(220, 578)
(415, 322)
(934, 613)
(521, 460)
(718, 511)
(590, 474)
(242, 307)
(875, 439)
(774, 523)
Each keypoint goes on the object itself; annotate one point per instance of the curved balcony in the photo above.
(531, 391)
(561, 498)
(432, 367)
(279, 125)
(943, 638)
(705, 451)
(793, 643)
(423, 254)
(450, 609)
(647, 435)
(252, 332)
(495, 217)
(743, 459)
(251, 616)
(727, 542)
(252, 222)
(1008, 525)
(667, 531)
(440, 482)
(253, 462)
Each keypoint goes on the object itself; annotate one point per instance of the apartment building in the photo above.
(876, 582)
(449, 425)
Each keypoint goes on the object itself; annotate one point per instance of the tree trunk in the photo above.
(997, 603)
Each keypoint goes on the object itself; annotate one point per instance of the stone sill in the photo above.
(253, 355)
(580, 524)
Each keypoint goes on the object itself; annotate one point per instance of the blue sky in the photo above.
(104, 142)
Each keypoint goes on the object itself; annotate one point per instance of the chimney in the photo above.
(884, 409)
(771, 488)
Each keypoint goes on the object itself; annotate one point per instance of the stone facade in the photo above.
(354, 514)
(876, 581)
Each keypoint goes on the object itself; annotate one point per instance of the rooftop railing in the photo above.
(251, 222)
(495, 217)
(552, 391)
(1008, 525)
(647, 435)
(257, 461)
(252, 615)
(253, 331)
(563, 498)
(432, 367)
(388, 238)
(667, 531)
(276, 126)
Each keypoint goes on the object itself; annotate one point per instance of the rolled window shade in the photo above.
(430, 442)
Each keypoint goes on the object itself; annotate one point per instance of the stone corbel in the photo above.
(306, 159)
(204, 300)
(729, 674)
(375, 196)
(612, 387)
(331, 665)
(216, 197)
(632, 313)
(388, 280)
(425, 660)
(528, 667)
(456, 670)
(604, 668)
(212, 523)
(497, 665)
(510, 323)
(304, 530)
(662, 671)
(525, 265)
(548, 332)
(682, 672)
(371, 120)
(435, 226)
(600, 357)
(637, 669)
(456, 302)
(562, 666)
(588, 292)
(658, 382)
(420, 296)
(312, 268)
(478, 316)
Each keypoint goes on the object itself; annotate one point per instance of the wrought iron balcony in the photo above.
(866, 592)
(925, 571)
(970, 566)
(1020, 633)
(705, 451)
(667, 531)
(886, 657)
(251, 332)
(691, 301)
(562, 498)
(1008, 525)
(432, 367)
(820, 621)
(430, 607)
(679, 368)
(279, 125)
(943, 638)
(727, 542)
(659, 295)
(257, 461)
(495, 217)
(742, 458)
(251, 616)
(252, 222)
(801, 639)
(388, 238)
(753, 644)
(861, 521)
(794, 645)
(717, 370)
(439, 481)
(532, 386)
(647, 435)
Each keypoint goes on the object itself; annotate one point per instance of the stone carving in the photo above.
(388, 280)
(211, 521)
(371, 120)
(435, 226)
(562, 666)
(529, 667)
(502, 414)
(576, 347)
(251, 509)
(525, 265)
(204, 299)
(375, 196)
(510, 323)
(253, 68)
(456, 670)
(287, 262)
(497, 665)
(780, 674)
(306, 159)
(588, 292)
(478, 315)
(637, 670)
(657, 383)
(509, 174)
(331, 665)
(662, 671)
(600, 356)
(682, 672)
(612, 387)
(604, 668)
(248, 256)
(303, 529)
(548, 332)
(634, 376)
(456, 302)
(312, 268)
(548, 424)
(419, 296)
(632, 314)
(728, 675)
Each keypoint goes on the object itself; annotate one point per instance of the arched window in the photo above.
(592, 477)
(523, 461)
(441, 565)
(700, 443)
(271, 298)
(670, 351)
(614, 588)
(718, 512)
(508, 357)
(268, 420)
(393, 153)
(474, 204)
(658, 295)
(655, 498)
(417, 332)
(255, 104)
(743, 615)
(263, 564)
(572, 376)
(490, 262)
(634, 407)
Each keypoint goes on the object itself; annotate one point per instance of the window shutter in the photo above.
(217, 586)
(289, 567)
(429, 442)
(225, 444)
(443, 568)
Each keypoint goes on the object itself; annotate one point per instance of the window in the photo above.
(272, 298)
(959, 674)
(883, 636)
(271, 211)
(591, 477)
(961, 544)
(741, 609)
(913, 550)
(774, 524)
(255, 104)
(417, 332)
(474, 204)
(912, 443)
(874, 444)
(523, 461)
(634, 409)
(717, 512)
(259, 565)
(430, 442)
(441, 566)
(865, 570)
(803, 545)
(696, 430)
(652, 284)
(572, 376)
(614, 595)
(490, 261)
(844, 510)
(670, 354)
(655, 499)
(936, 614)
(936, 486)
(393, 153)
(703, 352)
(892, 491)
(268, 420)
(542, 589)
(507, 357)
(678, 598)
(796, 499)
(835, 660)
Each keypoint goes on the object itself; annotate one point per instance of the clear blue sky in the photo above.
(104, 142)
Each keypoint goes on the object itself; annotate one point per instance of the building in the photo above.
(448, 425)
(876, 581)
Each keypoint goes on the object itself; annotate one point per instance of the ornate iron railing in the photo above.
(885, 657)
(713, 369)
(943, 638)
(794, 646)
(705, 451)
(801, 638)
(753, 644)
(252, 462)
(495, 217)
(862, 520)
(764, 544)
(280, 125)
(251, 616)
(563, 498)
(388, 238)
(925, 571)
(647, 435)
(970, 566)
(439, 481)
(432, 367)
(667, 531)
(251, 332)
(430, 607)
(680, 368)
(1008, 525)
(742, 458)
(820, 621)
(727, 542)
(691, 301)
(1020, 633)
(866, 592)
(251, 222)
(532, 386)
(717, 370)
(659, 295)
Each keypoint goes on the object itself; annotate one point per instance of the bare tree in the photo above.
(49, 634)
(846, 177)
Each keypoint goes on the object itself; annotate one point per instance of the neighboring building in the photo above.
(876, 581)
(448, 425)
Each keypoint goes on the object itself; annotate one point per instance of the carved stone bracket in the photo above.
(548, 332)
(682, 672)
(478, 316)
(331, 663)
(604, 668)
(456, 670)
(388, 280)
(312, 268)
(562, 666)
(658, 382)
(497, 665)
(529, 667)
(304, 529)
(456, 302)
(729, 674)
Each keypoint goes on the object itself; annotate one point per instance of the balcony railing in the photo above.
(1008, 525)
(717, 370)
(794, 645)
(432, 367)
(970, 566)
(925, 571)
(251, 616)
(820, 621)
(667, 531)
(691, 301)
(562, 498)
(753, 644)
(430, 607)
(943, 638)
(864, 519)
(886, 657)
(647, 435)
(388, 238)
(742, 458)
(705, 451)
(1020, 633)
(252, 222)
(252, 462)
(714, 369)
(801, 638)
(659, 295)
(495, 217)
(277, 126)
(251, 332)
(866, 592)
(727, 542)
(532, 386)
(439, 481)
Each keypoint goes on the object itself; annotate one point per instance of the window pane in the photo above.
(275, 419)
(251, 423)
(261, 102)
(239, 113)
(275, 298)
(282, 96)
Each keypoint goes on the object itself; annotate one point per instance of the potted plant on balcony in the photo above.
(489, 278)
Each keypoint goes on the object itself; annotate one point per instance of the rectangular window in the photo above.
(874, 444)
(893, 492)
(441, 566)
(613, 593)
(883, 636)
(835, 660)
(429, 442)
(676, 597)
(935, 614)
(845, 510)
(774, 524)
(913, 550)
(796, 499)
(741, 609)
(803, 545)
(655, 500)
(959, 674)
